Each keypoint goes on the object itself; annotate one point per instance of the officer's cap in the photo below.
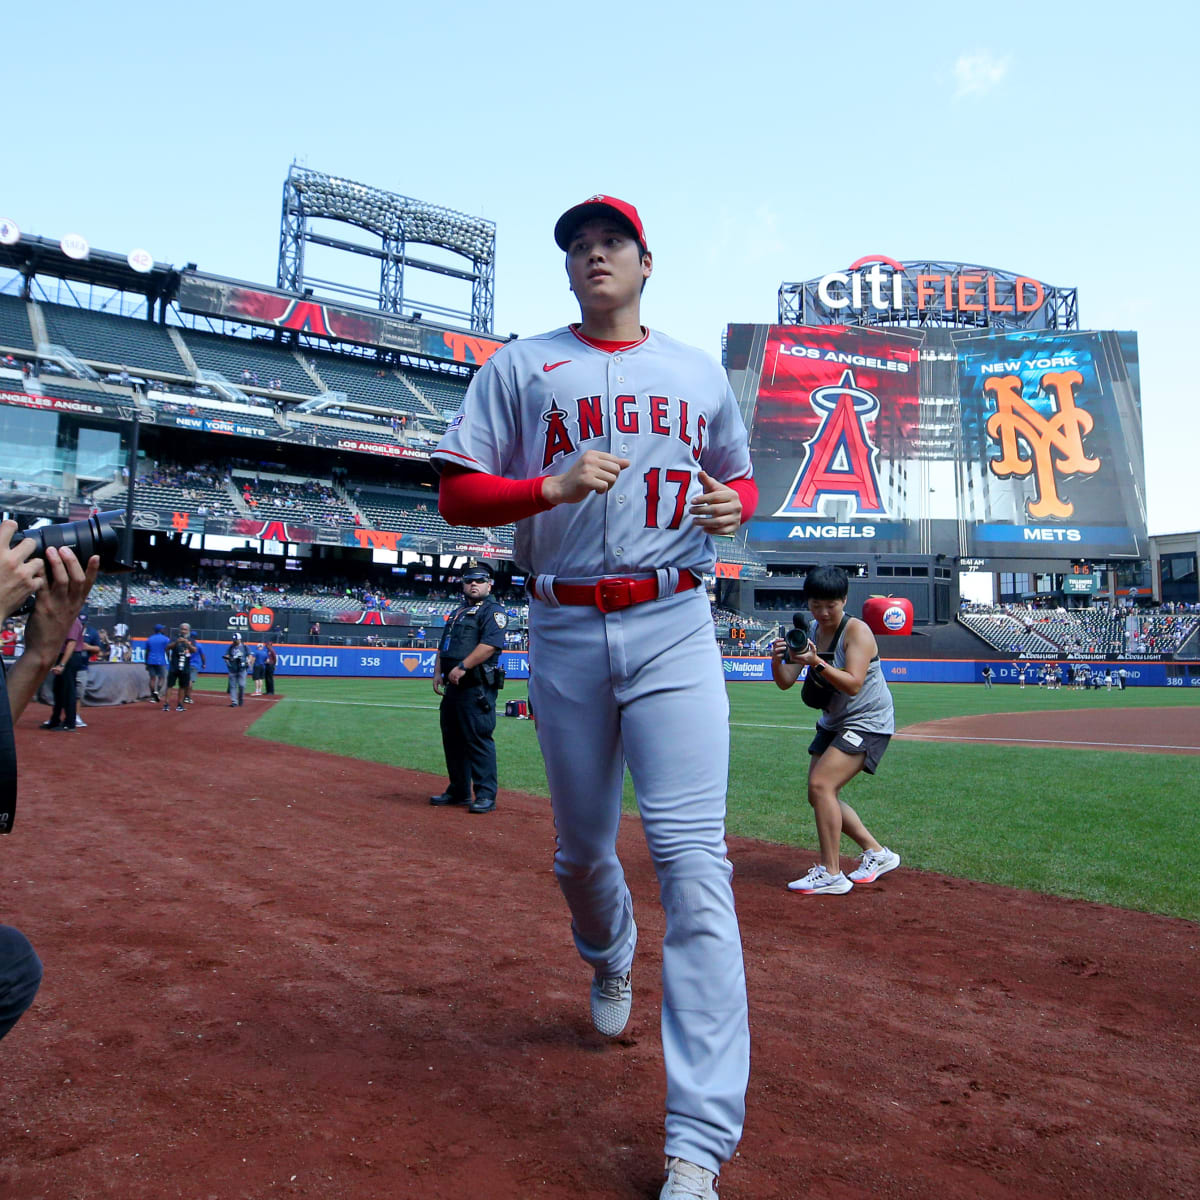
(478, 573)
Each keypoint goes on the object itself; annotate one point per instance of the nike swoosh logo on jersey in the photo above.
(551, 366)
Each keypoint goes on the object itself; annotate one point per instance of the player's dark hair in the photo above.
(827, 583)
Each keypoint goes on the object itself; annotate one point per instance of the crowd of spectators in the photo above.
(306, 496)
(192, 481)
(1103, 629)
(1164, 631)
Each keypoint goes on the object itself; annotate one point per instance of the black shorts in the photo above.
(260, 671)
(176, 678)
(852, 741)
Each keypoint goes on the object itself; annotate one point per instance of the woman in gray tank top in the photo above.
(853, 730)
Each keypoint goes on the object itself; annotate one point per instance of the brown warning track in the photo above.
(279, 973)
(1133, 730)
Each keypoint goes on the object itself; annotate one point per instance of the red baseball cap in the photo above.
(597, 206)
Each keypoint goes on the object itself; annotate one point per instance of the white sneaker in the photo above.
(612, 998)
(80, 724)
(874, 863)
(686, 1181)
(819, 882)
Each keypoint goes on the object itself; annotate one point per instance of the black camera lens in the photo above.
(797, 640)
(92, 535)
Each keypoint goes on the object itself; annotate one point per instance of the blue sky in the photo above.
(761, 143)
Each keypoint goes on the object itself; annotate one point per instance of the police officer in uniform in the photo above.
(465, 676)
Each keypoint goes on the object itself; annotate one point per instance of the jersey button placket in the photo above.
(613, 554)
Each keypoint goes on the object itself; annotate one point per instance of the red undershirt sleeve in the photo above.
(475, 498)
(747, 491)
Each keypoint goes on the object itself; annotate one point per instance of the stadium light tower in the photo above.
(399, 222)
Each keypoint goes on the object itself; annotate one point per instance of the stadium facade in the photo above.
(908, 421)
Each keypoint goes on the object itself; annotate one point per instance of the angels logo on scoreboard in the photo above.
(840, 460)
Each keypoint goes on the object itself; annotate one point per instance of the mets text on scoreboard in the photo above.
(885, 284)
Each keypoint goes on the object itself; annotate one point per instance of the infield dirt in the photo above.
(278, 973)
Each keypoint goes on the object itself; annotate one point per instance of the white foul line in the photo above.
(1028, 741)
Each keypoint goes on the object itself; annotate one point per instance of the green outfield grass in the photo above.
(1098, 825)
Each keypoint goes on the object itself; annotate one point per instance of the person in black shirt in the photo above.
(466, 676)
(179, 667)
(269, 668)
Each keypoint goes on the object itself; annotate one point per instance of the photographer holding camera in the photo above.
(54, 575)
(236, 659)
(845, 681)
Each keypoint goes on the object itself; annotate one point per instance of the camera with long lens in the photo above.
(798, 636)
(801, 634)
(93, 535)
(797, 640)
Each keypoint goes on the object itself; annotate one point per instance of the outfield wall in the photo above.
(389, 663)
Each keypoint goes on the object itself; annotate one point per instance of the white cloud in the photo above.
(978, 74)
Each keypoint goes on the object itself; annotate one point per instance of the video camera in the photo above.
(801, 633)
(797, 637)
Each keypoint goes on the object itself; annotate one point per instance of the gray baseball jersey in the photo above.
(666, 407)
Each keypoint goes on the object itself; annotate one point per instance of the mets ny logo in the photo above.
(1054, 442)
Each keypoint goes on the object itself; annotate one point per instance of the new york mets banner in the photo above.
(834, 428)
(1051, 443)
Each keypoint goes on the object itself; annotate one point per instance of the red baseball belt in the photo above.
(615, 592)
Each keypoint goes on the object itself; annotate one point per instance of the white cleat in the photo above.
(612, 998)
(686, 1181)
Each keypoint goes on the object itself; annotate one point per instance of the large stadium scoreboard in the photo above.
(977, 444)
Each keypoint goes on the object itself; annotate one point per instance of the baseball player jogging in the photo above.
(853, 731)
(620, 452)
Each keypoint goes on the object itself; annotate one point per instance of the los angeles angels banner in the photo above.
(833, 433)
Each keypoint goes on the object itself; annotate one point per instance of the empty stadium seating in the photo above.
(230, 356)
(366, 382)
(214, 501)
(410, 514)
(98, 337)
(14, 324)
(1079, 631)
(444, 392)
